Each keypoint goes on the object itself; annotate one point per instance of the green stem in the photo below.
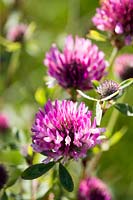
(112, 59)
(33, 189)
(94, 163)
(113, 56)
(13, 65)
(21, 188)
(113, 119)
(73, 94)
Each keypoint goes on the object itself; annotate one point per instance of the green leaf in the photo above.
(36, 170)
(126, 83)
(95, 35)
(98, 113)
(65, 178)
(32, 48)
(12, 157)
(30, 30)
(40, 96)
(3, 41)
(86, 96)
(95, 83)
(14, 173)
(4, 196)
(117, 136)
(10, 46)
(124, 109)
(13, 46)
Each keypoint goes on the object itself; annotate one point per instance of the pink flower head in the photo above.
(123, 66)
(4, 123)
(78, 64)
(116, 16)
(93, 188)
(64, 130)
(17, 33)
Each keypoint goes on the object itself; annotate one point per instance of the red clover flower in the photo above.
(116, 17)
(4, 124)
(16, 33)
(78, 64)
(93, 188)
(123, 66)
(64, 130)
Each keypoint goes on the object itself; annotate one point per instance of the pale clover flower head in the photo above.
(123, 66)
(92, 188)
(77, 65)
(107, 88)
(17, 33)
(64, 130)
(116, 17)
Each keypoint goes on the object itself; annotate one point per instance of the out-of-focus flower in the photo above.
(17, 33)
(123, 66)
(116, 17)
(93, 188)
(4, 123)
(3, 176)
(107, 88)
(78, 64)
(64, 130)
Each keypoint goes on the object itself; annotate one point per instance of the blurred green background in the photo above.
(20, 97)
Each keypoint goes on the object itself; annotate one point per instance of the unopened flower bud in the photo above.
(107, 88)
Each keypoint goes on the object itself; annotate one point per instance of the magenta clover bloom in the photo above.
(116, 16)
(64, 130)
(16, 33)
(78, 64)
(93, 188)
(123, 66)
(4, 123)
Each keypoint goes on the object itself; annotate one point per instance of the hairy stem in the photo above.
(33, 189)
(73, 94)
(113, 56)
(113, 118)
